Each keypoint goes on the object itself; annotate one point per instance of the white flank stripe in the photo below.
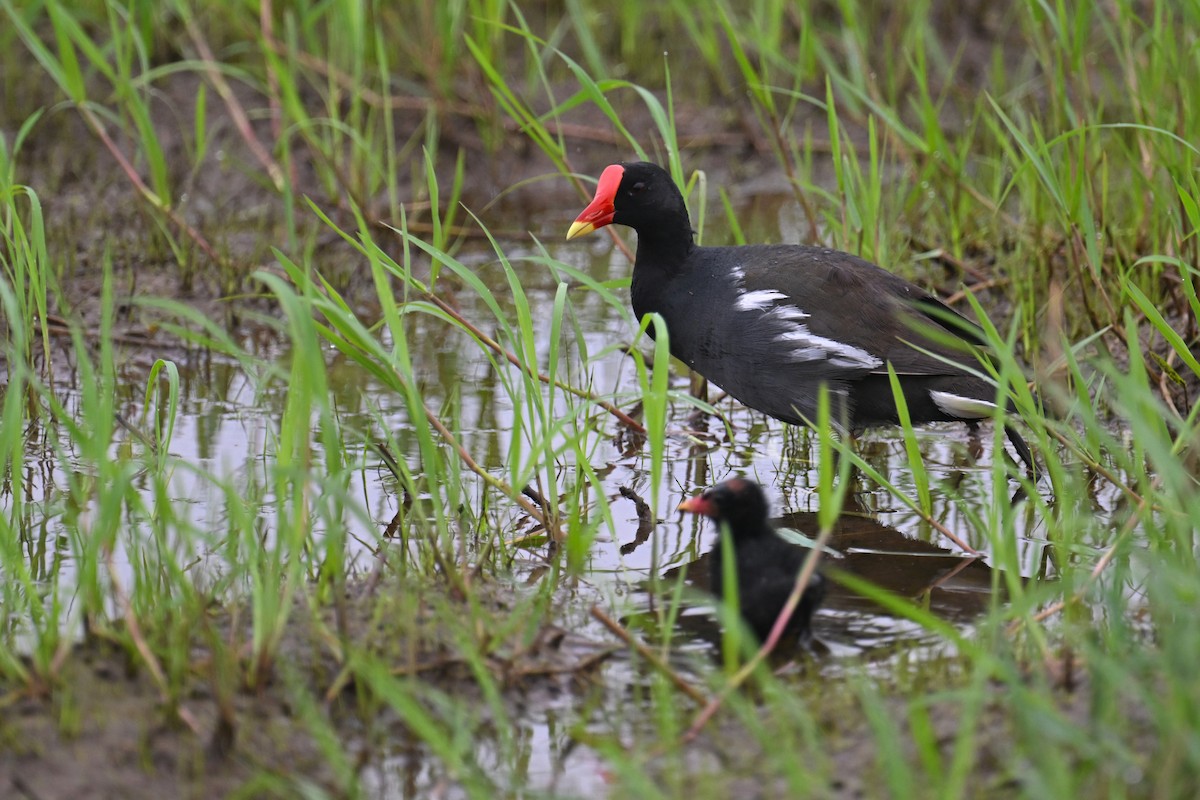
(788, 315)
(807, 346)
(759, 300)
(962, 407)
(789, 319)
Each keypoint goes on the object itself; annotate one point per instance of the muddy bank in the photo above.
(104, 727)
(104, 732)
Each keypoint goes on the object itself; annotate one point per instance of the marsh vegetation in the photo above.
(330, 470)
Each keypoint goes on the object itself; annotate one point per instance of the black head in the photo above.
(739, 502)
(637, 194)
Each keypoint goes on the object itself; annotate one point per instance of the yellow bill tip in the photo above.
(579, 228)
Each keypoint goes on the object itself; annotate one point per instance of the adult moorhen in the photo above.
(771, 323)
(766, 565)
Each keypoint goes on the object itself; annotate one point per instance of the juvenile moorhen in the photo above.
(771, 323)
(766, 564)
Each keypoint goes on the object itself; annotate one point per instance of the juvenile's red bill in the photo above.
(698, 505)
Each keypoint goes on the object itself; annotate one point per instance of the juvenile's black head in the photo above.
(738, 502)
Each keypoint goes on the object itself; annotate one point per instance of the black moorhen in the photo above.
(766, 564)
(771, 323)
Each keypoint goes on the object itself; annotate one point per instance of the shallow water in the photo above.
(227, 421)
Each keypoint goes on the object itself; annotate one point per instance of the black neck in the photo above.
(664, 247)
(660, 257)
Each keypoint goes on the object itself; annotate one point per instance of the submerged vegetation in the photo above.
(344, 212)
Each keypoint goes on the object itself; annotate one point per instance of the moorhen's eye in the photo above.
(637, 187)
